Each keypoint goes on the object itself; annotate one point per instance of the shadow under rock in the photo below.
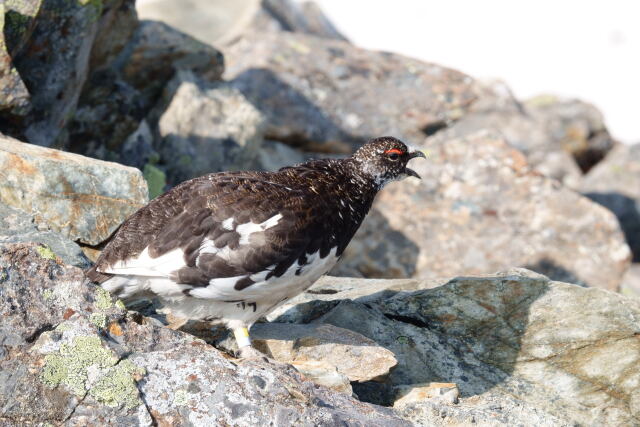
(468, 331)
(556, 272)
(378, 251)
(628, 212)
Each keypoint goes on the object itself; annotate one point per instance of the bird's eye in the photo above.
(393, 154)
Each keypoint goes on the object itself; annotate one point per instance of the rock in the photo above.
(122, 92)
(81, 198)
(615, 184)
(442, 392)
(17, 226)
(118, 24)
(631, 281)
(480, 204)
(484, 410)
(207, 128)
(379, 251)
(14, 95)
(328, 96)
(67, 345)
(298, 17)
(157, 51)
(54, 62)
(214, 22)
(220, 22)
(138, 148)
(517, 345)
(189, 384)
(324, 374)
(356, 357)
(576, 126)
(327, 292)
(19, 23)
(561, 138)
(521, 132)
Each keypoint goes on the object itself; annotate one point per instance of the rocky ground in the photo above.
(100, 110)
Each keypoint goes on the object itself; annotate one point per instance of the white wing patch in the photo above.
(227, 224)
(208, 247)
(144, 265)
(245, 230)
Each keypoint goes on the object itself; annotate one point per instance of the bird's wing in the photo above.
(224, 236)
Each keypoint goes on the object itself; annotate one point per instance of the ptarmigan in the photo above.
(230, 247)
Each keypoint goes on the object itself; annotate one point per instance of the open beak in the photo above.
(411, 172)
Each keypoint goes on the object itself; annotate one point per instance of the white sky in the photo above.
(588, 49)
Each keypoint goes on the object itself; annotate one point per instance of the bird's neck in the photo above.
(361, 185)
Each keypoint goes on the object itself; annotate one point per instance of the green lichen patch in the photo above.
(69, 365)
(103, 299)
(118, 386)
(180, 398)
(47, 294)
(98, 319)
(46, 252)
(120, 305)
(64, 326)
(156, 180)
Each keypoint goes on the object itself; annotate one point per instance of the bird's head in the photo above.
(385, 159)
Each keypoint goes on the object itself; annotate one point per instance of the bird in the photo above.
(230, 247)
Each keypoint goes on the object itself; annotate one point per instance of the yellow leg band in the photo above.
(242, 337)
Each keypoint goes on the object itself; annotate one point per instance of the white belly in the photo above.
(220, 301)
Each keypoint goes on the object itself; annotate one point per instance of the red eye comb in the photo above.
(393, 150)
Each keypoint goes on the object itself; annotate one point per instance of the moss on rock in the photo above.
(98, 319)
(156, 180)
(118, 386)
(103, 299)
(69, 365)
(46, 252)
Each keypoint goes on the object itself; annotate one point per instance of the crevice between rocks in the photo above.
(406, 319)
(39, 331)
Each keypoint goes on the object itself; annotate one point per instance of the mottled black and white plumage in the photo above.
(232, 246)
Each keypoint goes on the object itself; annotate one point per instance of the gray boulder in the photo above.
(479, 208)
(220, 22)
(615, 184)
(521, 348)
(14, 96)
(575, 126)
(124, 88)
(52, 58)
(631, 281)
(207, 128)
(17, 226)
(83, 199)
(299, 17)
(328, 96)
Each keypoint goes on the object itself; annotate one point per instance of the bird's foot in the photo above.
(246, 350)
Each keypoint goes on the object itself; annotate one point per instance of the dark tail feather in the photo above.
(95, 276)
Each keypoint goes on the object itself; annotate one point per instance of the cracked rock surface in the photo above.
(522, 349)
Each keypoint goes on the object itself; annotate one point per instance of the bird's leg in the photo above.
(242, 337)
(244, 345)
